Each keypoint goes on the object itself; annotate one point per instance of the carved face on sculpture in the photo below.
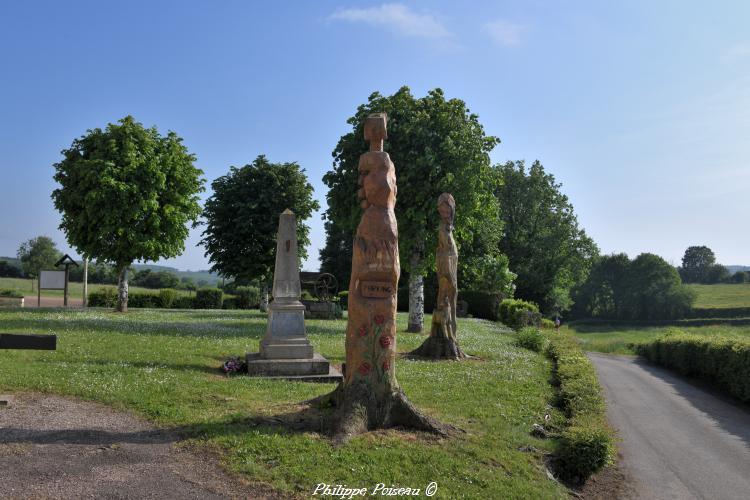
(447, 208)
(376, 130)
(377, 179)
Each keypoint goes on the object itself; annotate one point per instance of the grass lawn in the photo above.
(614, 338)
(75, 290)
(722, 295)
(164, 365)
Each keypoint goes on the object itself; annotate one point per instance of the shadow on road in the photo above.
(728, 413)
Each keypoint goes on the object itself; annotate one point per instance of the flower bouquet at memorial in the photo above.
(234, 365)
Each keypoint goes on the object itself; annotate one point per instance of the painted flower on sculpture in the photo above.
(386, 341)
(379, 319)
(386, 365)
(365, 368)
(362, 331)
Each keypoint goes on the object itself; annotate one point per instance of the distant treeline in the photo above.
(105, 274)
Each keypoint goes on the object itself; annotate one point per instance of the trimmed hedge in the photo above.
(587, 443)
(517, 313)
(718, 312)
(208, 298)
(246, 297)
(723, 361)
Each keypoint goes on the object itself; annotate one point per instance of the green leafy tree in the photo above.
(716, 273)
(9, 270)
(242, 217)
(127, 194)
(438, 146)
(37, 254)
(646, 288)
(547, 249)
(696, 264)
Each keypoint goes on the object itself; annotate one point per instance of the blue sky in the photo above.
(641, 109)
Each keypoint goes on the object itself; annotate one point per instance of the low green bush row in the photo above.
(723, 361)
(208, 298)
(587, 443)
(719, 312)
(13, 294)
(517, 313)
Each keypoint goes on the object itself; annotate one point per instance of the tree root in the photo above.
(359, 411)
(438, 348)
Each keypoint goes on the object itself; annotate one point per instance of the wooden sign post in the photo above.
(56, 280)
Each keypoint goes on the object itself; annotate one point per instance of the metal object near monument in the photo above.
(285, 350)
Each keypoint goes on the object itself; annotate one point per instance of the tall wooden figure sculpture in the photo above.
(370, 397)
(442, 342)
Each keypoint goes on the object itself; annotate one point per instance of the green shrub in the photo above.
(587, 443)
(724, 361)
(229, 303)
(13, 294)
(517, 313)
(183, 302)
(104, 297)
(208, 298)
(247, 297)
(167, 296)
(531, 338)
(144, 300)
(547, 324)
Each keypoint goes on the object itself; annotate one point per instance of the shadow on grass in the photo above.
(195, 324)
(302, 420)
(244, 329)
(185, 367)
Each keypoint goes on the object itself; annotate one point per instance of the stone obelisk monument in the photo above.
(285, 349)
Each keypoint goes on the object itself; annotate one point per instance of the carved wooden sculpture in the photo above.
(370, 397)
(442, 342)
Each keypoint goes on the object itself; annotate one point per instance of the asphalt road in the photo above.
(679, 440)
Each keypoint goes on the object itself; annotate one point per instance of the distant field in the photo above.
(75, 289)
(721, 296)
(614, 338)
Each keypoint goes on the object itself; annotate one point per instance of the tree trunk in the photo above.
(416, 295)
(122, 289)
(264, 298)
(85, 282)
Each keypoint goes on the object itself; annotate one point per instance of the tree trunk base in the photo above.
(438, 348)
(414, 328)
(359, 410)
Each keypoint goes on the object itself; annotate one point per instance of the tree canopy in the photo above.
(242, 217)
(695, 264)
(647, 287)
(547, 249)
(127, 194)
(37, 254)
(699, 266)
(438, 146)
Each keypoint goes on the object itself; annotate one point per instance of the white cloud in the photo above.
(504, 33)
(398, 18)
